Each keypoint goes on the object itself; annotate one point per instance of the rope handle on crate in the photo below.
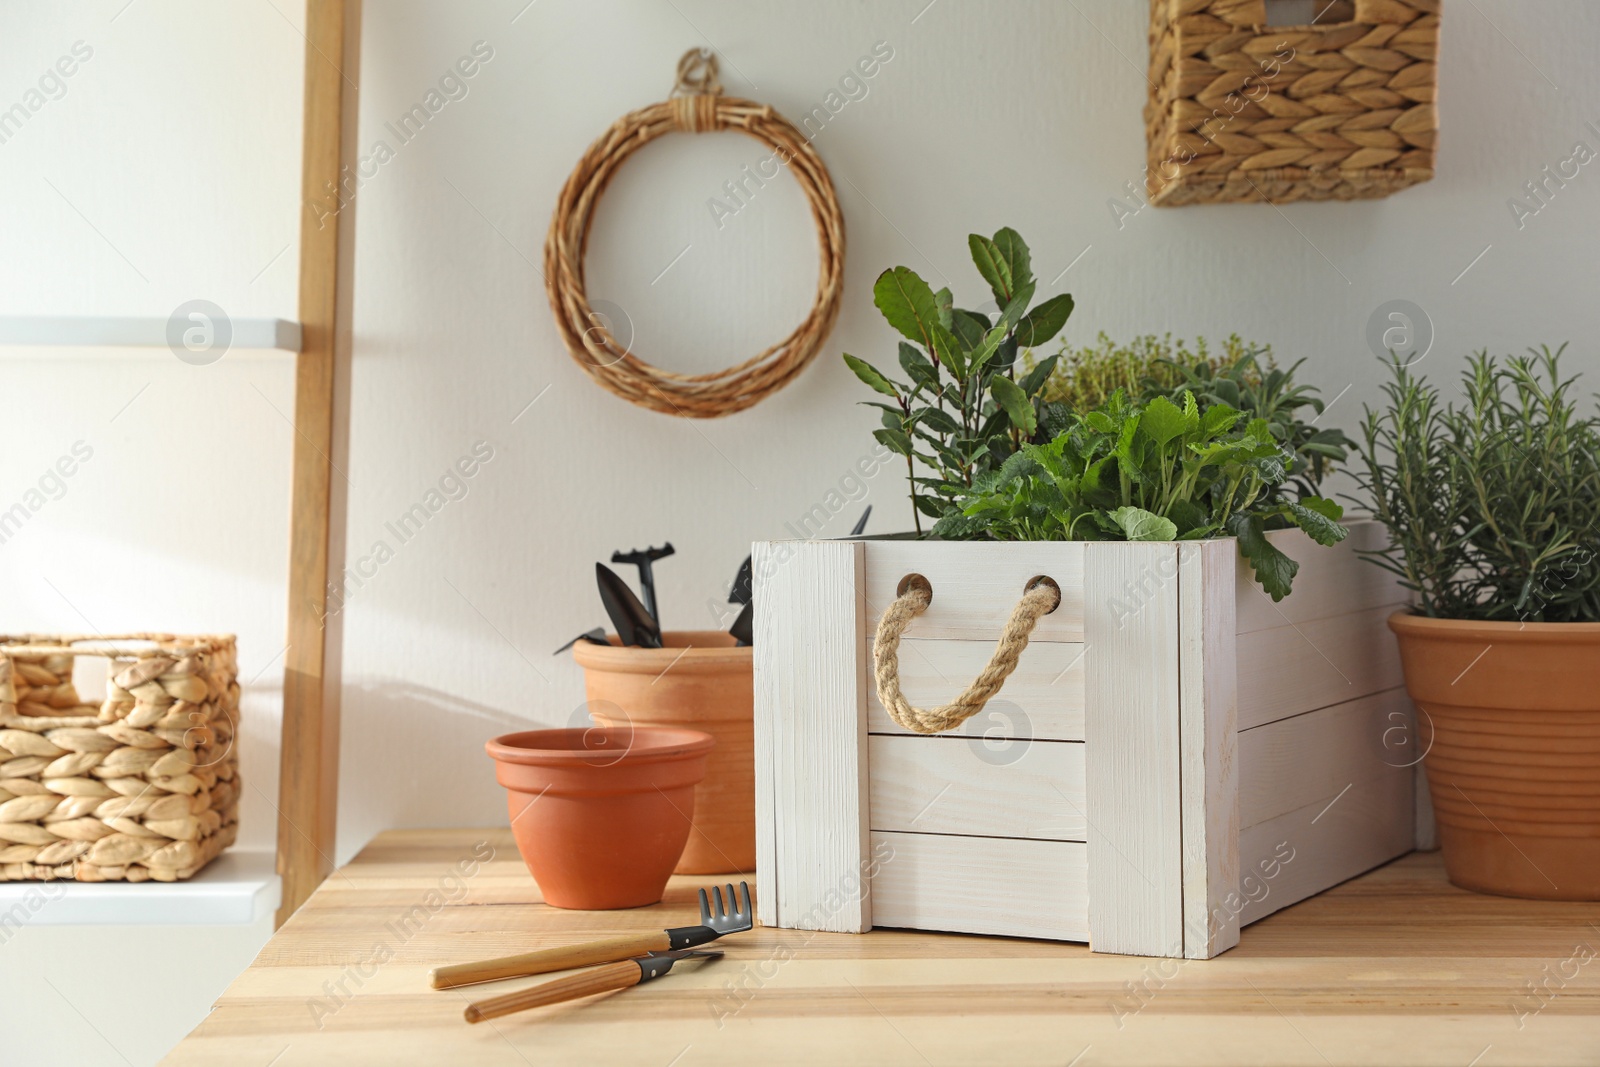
(1040, 598)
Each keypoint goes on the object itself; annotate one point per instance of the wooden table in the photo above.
(1395, 967)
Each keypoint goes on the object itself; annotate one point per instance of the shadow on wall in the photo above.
(383, 788)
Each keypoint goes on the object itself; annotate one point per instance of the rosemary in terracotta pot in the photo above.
(1493, 506)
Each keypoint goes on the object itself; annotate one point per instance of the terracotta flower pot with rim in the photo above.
(1510, 717)
(702, 681)
(600, 816)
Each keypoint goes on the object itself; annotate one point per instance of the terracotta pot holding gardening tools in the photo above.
(642, 677)
(1509, 715)
(699, 680)
(601, 815)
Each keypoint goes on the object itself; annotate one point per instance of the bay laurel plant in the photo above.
(962, 409)
(1492, 504)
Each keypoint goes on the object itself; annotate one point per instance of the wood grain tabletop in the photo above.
(1394, 967)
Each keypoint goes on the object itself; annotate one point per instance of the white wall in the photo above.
(1023, 114)
(165, 168)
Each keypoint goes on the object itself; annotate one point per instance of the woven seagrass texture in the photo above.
(144, 786)
(588, 336)
(1341, 109)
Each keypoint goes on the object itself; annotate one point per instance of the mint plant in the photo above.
(1158, 471)
(962, 409)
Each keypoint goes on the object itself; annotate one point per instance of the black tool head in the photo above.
(743, 584)
(861, 523)
(685, 953)
(733, 917)
(643, 555)
(643, 558)
(743, 628)
(596, 636)
(656, 964)
(635, 625)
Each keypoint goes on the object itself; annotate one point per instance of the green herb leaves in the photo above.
(1493, 507)
(1274, 570)
(869, 374)
(1141, 525)
(1159, 472)
(1166, 449)
(962, 410)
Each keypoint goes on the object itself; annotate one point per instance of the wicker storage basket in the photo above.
(143, 787)
(1340, 109)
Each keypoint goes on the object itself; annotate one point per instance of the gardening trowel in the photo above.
(740, 593)
(643, 558)
(596, 636)
(743, 627)
(635, 625)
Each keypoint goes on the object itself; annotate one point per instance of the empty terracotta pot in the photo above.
(600, 815)
(1510, 713)
(703, 681)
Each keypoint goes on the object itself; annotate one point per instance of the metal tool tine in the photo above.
(705, 908)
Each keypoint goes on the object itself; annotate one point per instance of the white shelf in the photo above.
(240, 886)
(102, 332)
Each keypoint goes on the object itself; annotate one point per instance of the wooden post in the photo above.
(308, 786)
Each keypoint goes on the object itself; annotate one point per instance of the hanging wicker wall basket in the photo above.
(1339, 109)
(696, 106)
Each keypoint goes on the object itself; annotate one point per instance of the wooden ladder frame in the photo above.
(308, 784)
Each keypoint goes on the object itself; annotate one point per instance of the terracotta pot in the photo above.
(600, 816)
(1510, 715)
(703, 681)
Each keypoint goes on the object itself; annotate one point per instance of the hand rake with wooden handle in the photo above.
(713, 924)
(599, 980)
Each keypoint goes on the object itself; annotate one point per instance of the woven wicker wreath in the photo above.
(696, 106)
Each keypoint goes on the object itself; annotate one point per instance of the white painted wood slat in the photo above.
(1208, 725)
(810, 710)
(981, 885)
(1131, 729)
(1332, 580)
(976, 584)
(959, 785)
(1043, 697)
(1288, 764)
(1333, 838)
(1305, 666)
(106, 331)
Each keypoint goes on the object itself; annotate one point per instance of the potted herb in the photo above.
(990, 454)
(1493, 505)
(1066, 675)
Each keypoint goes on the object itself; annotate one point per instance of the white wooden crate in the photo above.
(1174, 757)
